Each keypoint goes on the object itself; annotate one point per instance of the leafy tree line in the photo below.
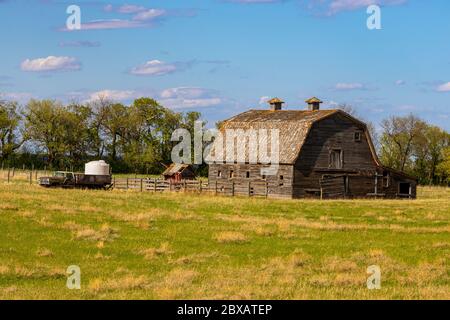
(410, 144)
(134, 138)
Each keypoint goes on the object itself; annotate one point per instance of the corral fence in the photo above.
(23, 174)
(226, 188)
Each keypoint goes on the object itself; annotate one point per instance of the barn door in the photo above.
(333, 186)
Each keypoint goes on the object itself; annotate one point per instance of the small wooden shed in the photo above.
(177, 172)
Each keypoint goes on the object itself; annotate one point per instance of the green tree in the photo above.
(428, 153)
(398, 139)
(443, 168)
(9, 122)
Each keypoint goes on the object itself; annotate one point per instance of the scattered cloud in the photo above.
(400, 82)
(175, 98)
(106, 24)
(263, 100)
(135, 17)
(21, 97)
(406, 107)
(80, 43)
(51, 63)
(344, 86)
(445, 87)
(129, 8)
(149, 15)
(333, 7)
(189, 97)
(114, 95)
(154, 68)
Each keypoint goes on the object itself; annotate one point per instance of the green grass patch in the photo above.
(132, 245)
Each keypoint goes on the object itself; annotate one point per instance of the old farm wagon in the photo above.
(322, 153)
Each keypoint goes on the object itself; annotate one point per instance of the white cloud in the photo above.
(140, 17)
(110, 24)
(21, 97)
(349, 86)
(263, 100)
(175, 98)
(149, 15)
(332, 7)
(154, 68)
(130, 8)
(51, 63)
(400, 82)
(80, 43)
(445, 87)
(189, 97)
(114, 95)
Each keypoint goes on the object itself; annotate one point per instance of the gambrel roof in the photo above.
(293, 127)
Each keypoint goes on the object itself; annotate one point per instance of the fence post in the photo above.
(184, 185)
(200, 186)
(127, 183)
(9, 172)
(232, 188)
(114, 182)
(249, 188)
(142, 184)
(215, 192)
(154, 186)
(267, 189)
(13, 171)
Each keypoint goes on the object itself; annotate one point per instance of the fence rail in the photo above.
(228, 188)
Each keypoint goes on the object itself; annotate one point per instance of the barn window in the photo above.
(219, 174)
(404, 188)
(357, 136)
(263, 177)
(336, 159)
(386, 179)
(281, 181)
(247, 174)
(231, 174)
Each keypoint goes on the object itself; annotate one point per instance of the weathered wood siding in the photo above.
(279, 185)
(334, 132)
(313, 176)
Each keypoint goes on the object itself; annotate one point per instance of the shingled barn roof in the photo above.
(293, 126)
(174, 168)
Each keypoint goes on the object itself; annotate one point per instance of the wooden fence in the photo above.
(228, 188)
(21, 175)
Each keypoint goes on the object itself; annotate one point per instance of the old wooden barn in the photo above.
(322, 154)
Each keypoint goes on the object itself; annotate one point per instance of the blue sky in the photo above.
(221, 57)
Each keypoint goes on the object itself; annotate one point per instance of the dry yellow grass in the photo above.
(231, 237)
(155, 246)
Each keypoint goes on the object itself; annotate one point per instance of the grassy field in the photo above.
(185, 246)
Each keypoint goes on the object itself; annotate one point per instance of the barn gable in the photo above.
(322, 153)
(294, 127)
